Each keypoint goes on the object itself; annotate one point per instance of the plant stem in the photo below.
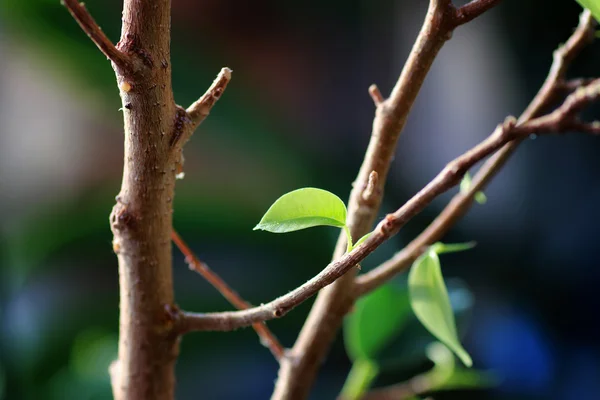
(359, 379)
(349, 243)
(267, 338)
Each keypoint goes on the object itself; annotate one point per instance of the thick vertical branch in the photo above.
(141, 219)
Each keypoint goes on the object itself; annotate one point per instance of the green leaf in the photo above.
(359, 379)
(375, 321)
(593, 6)
(480, 198)
(465, 185)
(441, 248)
(361, 240)
(430, 302)
(304, 208)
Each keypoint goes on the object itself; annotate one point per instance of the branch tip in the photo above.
(376, 95)
(199, 110)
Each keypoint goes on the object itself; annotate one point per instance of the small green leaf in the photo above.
(480, 198)
(441, 248)
(359, 379)
(465, 185)
(593, 6)
(361, 240)
(304, 208)
(375, 321)
(430, 302)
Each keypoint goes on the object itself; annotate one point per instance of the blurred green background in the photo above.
(296, 114)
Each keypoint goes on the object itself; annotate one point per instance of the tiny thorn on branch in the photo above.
(376, 95)
(91, 28)
(267, 338)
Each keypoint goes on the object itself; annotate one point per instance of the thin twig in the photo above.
(461, 202)
(417, 385)
(91, 28)
(473, 10)
(199, 110)
(559, 121)
(267, 338)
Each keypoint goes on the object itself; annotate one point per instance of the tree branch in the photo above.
(141, 219)
(297, 371)
(559, 121)
(267, 338)
(199, 110)
(91, 28)
(473, 10)
(461, 202)
(401, 391)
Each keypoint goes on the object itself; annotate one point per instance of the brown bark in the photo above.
(141, 219)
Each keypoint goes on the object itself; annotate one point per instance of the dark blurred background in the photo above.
(296, 114)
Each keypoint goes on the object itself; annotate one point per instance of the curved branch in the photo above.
(91, 28)
(461, 202)
(267, 338)
(558, 121)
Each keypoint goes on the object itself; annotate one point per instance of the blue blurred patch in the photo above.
(515, 347)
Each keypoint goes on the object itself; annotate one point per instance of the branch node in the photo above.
(371, 188)
(181, 118)
(376, 95)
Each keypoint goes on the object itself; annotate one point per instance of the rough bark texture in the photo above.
(141, 219)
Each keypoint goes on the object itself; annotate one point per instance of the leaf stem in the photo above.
(359, 379)
(349, 244)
